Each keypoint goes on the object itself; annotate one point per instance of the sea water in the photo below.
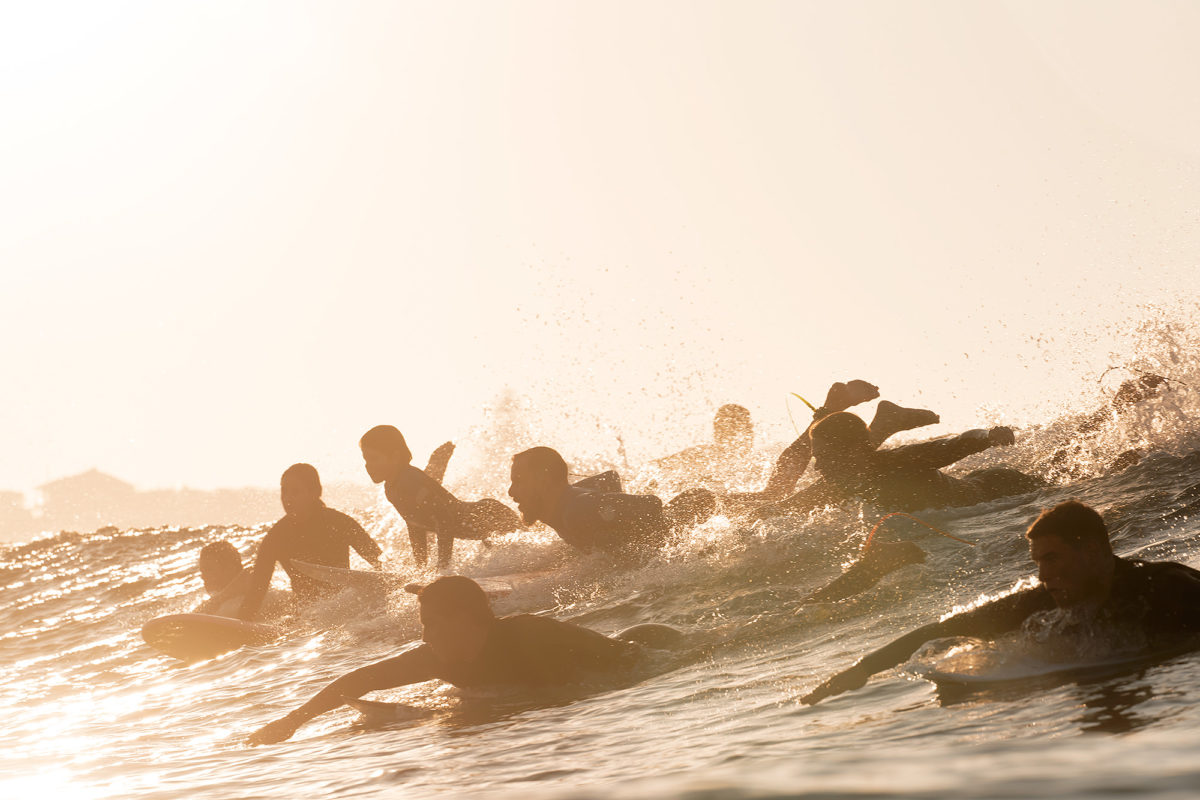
(90, 711)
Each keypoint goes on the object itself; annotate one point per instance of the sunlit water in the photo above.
(91, 712)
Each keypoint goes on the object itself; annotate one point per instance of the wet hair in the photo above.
(842, 428)
(222, 552)
(1074, 523)
(544, 459)
(733, 413)
(303, 474)
(454, 594)
(387, 439)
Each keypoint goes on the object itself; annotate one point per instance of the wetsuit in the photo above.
(428, 507)
(611, 522)
(909, 477)
(323, 537)
(532, 651)
(1159, 599)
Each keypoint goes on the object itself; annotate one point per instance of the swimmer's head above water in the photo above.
(1069, 543)
(300, 489)
(384, 452)
(841, 444)
(455, 617)
(538, 478)
(220, 565)
(732, 428)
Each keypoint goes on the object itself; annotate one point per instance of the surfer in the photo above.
(226, 581)
(889, 420)
(309, 531)
(424, 504)
(626, 525)
(713, 462)
(906, 478)
(1158, 601)
(466, 645)
(1064, 463)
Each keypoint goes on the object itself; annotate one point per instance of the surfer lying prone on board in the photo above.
(903, 478)
(425, 505)
(622, 525)
(889, 420)
(309, 531)
(466, 645)
(1156, 603)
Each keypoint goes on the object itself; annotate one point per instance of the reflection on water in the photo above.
(91, 712)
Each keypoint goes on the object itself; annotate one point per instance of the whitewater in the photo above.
(92, 712)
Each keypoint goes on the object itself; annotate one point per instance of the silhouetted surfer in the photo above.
(425, 505)
(227, 582)
(309, 531)
(902, 478)
(468, 646)
(889, 419)
(713, 463)
(1154, 603)
(627, 525)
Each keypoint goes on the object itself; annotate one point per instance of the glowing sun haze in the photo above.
(236, 235)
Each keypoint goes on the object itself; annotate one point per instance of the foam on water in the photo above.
(91, 712)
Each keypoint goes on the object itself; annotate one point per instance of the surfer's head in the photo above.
(539, 476)
(220, 564)
(1069, 543)
(732, 428)
(456, 618)
(300, 489)
(841, 444)
(384, 452)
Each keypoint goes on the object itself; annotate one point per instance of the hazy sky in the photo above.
(237, 234)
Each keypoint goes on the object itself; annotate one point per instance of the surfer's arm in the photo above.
(885, 657)
(986, 621)
(418, 537)
(944, 452)
(260, 578)
(361, 541)
(808, 498)
(414, 666)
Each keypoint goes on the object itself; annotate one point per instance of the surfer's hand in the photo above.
(852, 678)
(273, 732)
(1001, 436)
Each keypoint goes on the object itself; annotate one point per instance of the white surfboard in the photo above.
(365, 580)
(982, 664)
(196, 637)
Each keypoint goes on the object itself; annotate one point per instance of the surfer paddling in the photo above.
(1155, 603)
(309, 531)
(466, 645)
(889, 420)
(901, 478)
(423, 503)
(623, 525)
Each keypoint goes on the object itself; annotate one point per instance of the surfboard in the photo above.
(375, 712)
(196, 637)
(365, 580)
(494, 588)
(982, 665)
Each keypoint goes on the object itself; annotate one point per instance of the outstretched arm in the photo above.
(988, 620)
(413, 666)
(944, 452)
(362, 542)
(260, 577)
(883, 658)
